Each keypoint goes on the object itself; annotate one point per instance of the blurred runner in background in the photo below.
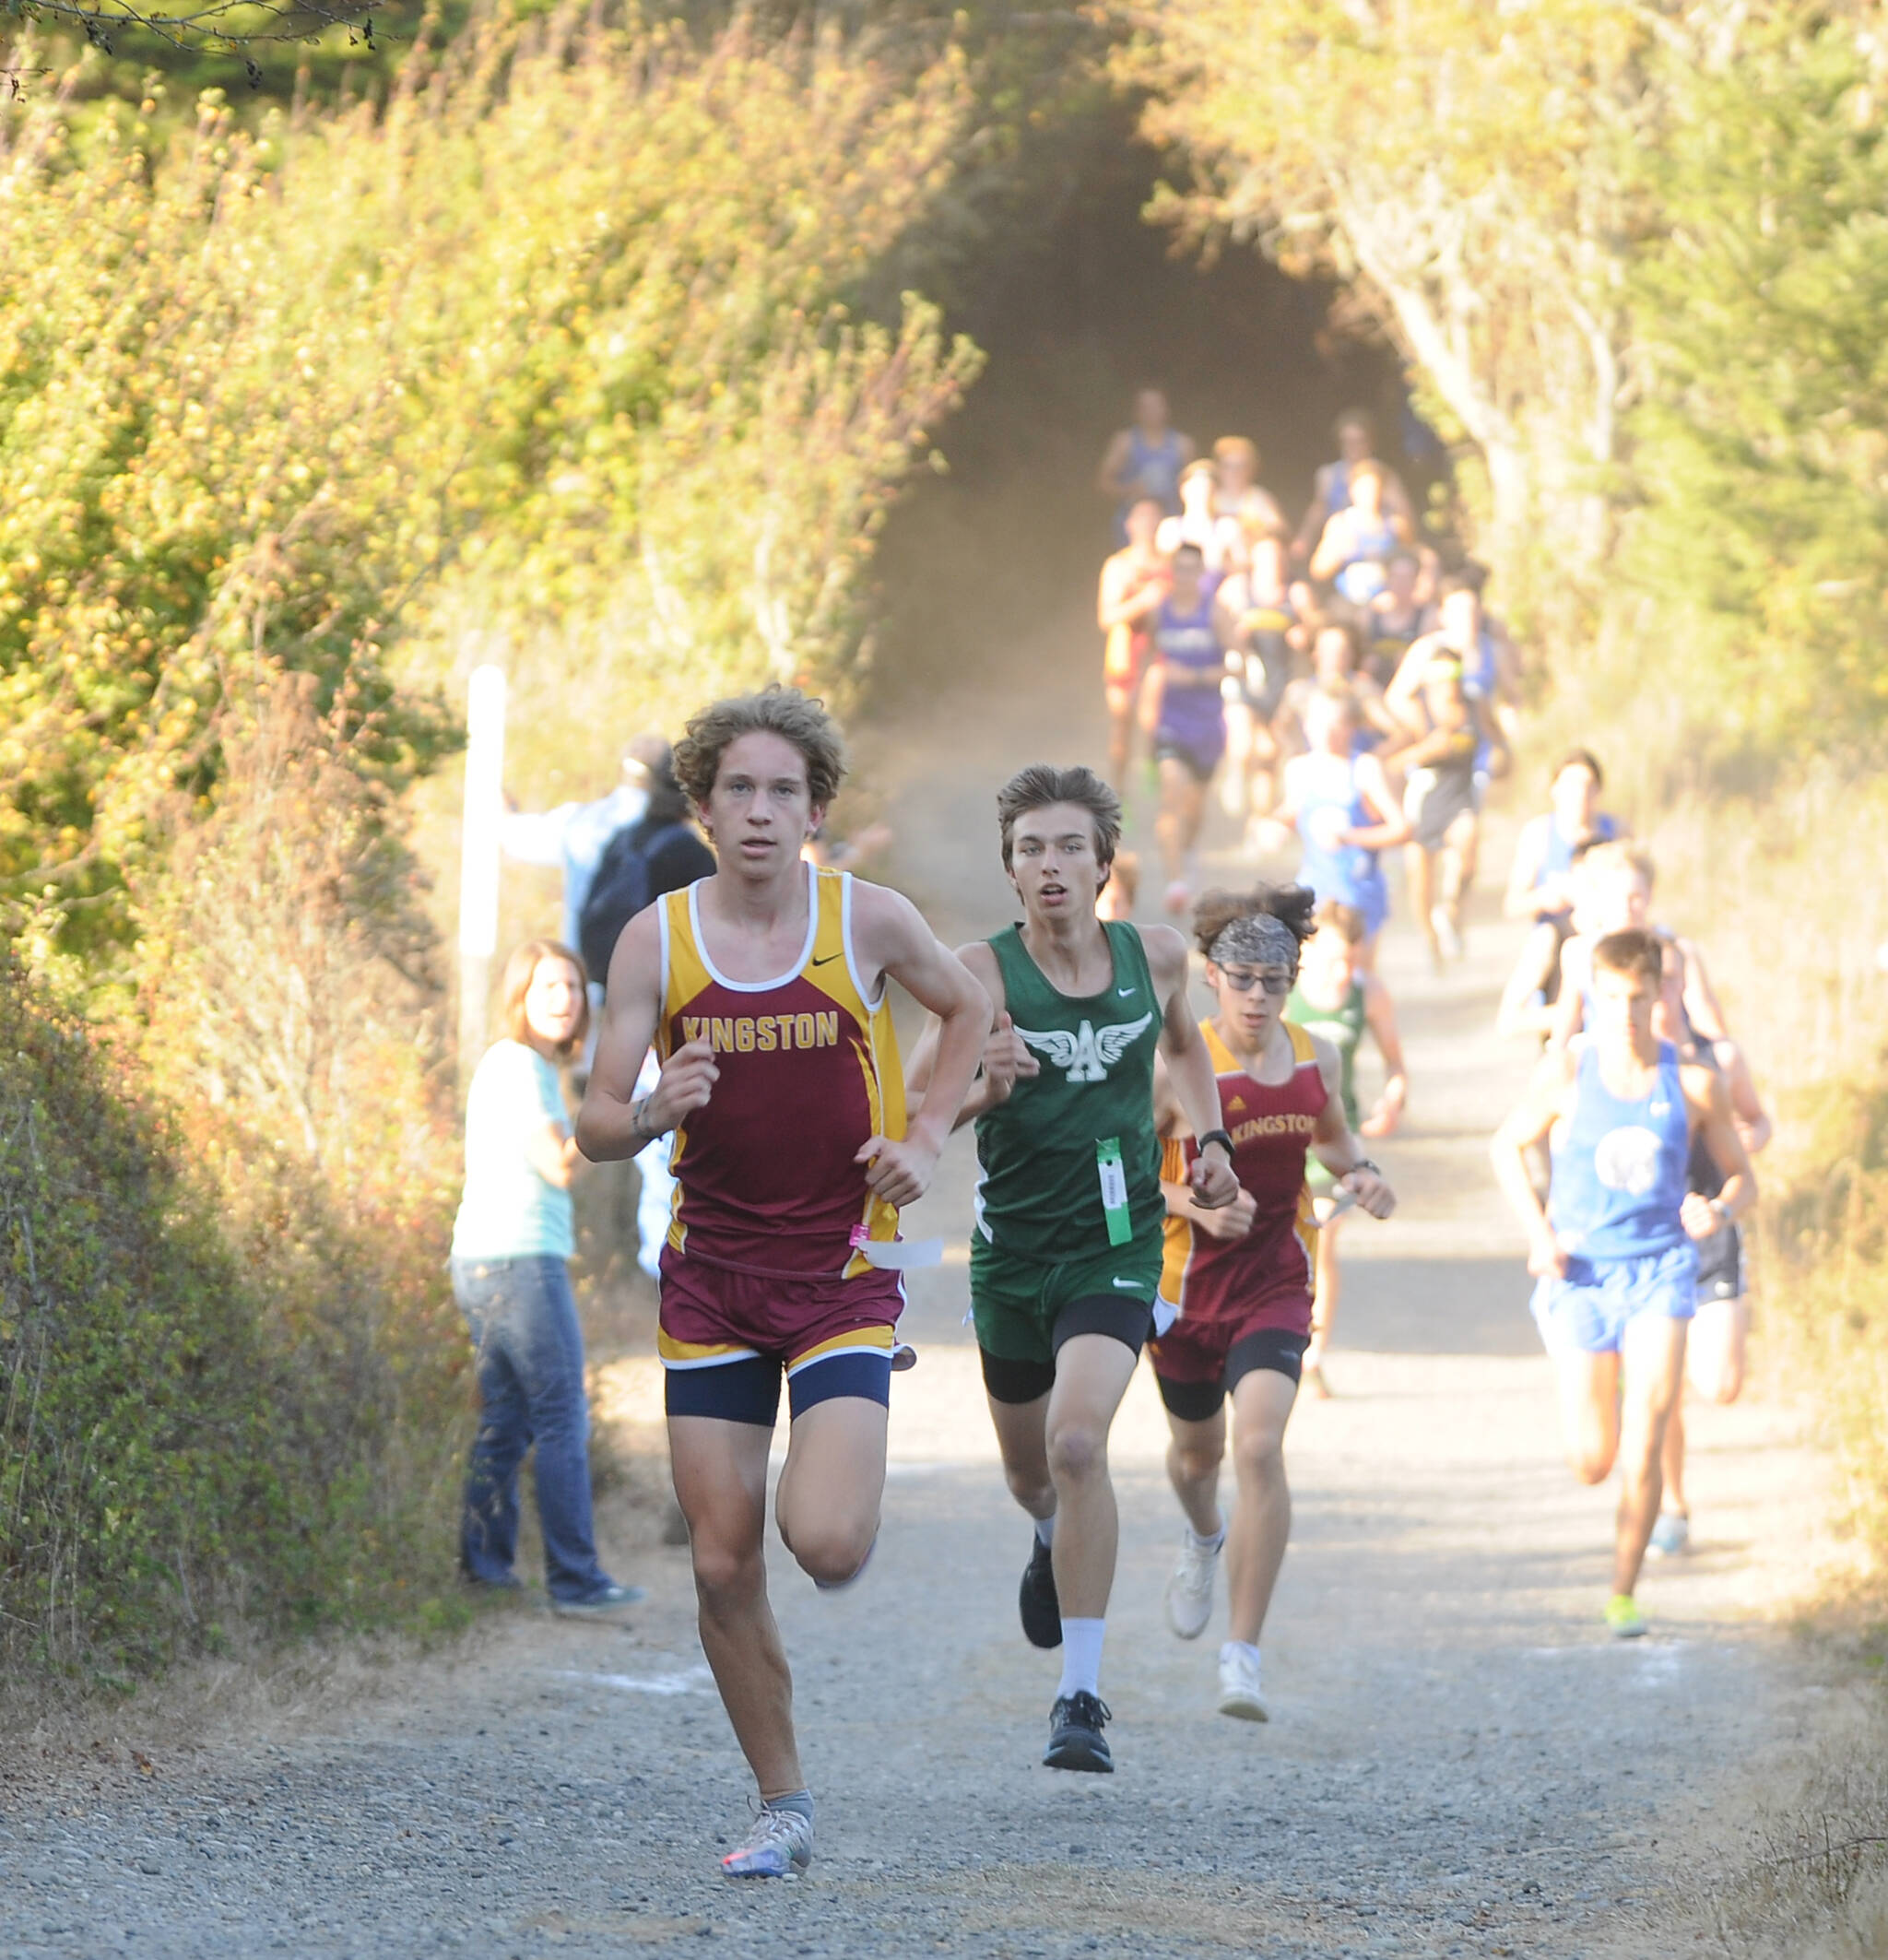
(1541, 887)
(1134, 582)
(1715, 1350)
(1145, 460)
(1330, 489)
(1184, 708)
(1336, 997)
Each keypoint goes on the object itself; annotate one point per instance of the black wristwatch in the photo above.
(1221, 1138)
(1366, 1163)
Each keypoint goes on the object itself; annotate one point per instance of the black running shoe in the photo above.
(1036, 1600)
(1075, 1734)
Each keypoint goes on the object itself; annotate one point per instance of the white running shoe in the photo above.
(780, 1846)
(1190, 1591)
(1449, 936)
(1671, 1535)
(1240, 1693)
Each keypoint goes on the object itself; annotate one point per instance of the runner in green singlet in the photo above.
(1336, 997)
(1070, 1216)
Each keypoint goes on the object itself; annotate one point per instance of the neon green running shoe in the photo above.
(1624, 1619)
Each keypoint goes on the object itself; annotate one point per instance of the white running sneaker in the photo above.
(1448, 936)
(1240, 1693)
(1671, 1535)
(1190, 1591)
(780, 1846)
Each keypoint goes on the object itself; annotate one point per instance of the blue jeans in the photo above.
(524, 1324)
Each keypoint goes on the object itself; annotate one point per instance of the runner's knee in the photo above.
(1260, 1454)
(1192, 1464)
(1077, 1451)
(727, 1572)
(831, 1550)
(1724, 1383)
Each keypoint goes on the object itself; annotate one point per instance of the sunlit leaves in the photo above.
(561, 331)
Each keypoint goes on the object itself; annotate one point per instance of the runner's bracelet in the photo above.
(1221, 1138)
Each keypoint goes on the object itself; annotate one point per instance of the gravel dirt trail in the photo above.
(1459, 1762)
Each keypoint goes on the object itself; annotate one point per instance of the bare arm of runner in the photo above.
(1430, 746)
(1399, 697)
(1333, 548)
(1123, 599)
(1369, 698)
(1492, 731)
(1315, 513)
(1189, 1065)
(1006, 1054)
(1569, 1005)
(1391, 825)
(1154, 691)
(1747, 1109)
(614, 1121)
(1223, 1221)
(1701, 998)
(1380, 1018)
(1113, 461)
(1524, 899)
(891, 938)
(1341, 1153)
(1529, 1121)
(1708, 1095)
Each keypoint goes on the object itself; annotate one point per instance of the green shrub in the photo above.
(139, 1484)
(246, 1411)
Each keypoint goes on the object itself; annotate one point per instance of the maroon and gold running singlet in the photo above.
(1229, 1287)
(762, 1254)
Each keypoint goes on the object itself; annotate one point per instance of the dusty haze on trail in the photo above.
(1460, 1761)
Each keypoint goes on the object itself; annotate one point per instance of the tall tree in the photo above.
(1461, 163)
(1761, 443)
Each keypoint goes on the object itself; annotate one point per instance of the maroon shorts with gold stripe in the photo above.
(727, 1339)
(1196, 1350)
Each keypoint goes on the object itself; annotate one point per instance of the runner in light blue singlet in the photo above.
(1620, 1172)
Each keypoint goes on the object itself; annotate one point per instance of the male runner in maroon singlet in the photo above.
(763, 989)
(1242, 1276)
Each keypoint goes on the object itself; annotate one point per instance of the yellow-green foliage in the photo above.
(560, 341)
(561, 331)
(1784, 893)
(201, 1418)
(1459, 166)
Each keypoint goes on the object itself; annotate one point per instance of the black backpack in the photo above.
(619, 890)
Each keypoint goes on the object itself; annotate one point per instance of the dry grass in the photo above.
(1783, 891)
(1812, 1882)
(1785, 899)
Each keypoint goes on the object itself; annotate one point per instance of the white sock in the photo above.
(1046, 1530)
(1235, 1650)
(1081, 1657)
(1209, 1543)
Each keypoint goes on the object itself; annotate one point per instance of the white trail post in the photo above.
(479, 859)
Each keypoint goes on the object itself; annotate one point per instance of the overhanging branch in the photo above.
(219, 25)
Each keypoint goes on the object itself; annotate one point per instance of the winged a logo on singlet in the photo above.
(1088, 1054)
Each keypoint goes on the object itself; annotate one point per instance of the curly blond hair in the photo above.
(797, 719)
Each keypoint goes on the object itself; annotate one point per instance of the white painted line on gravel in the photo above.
(1659, 1655)
(697, 1680)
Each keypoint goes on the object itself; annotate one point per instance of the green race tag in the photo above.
(1114, 1190)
